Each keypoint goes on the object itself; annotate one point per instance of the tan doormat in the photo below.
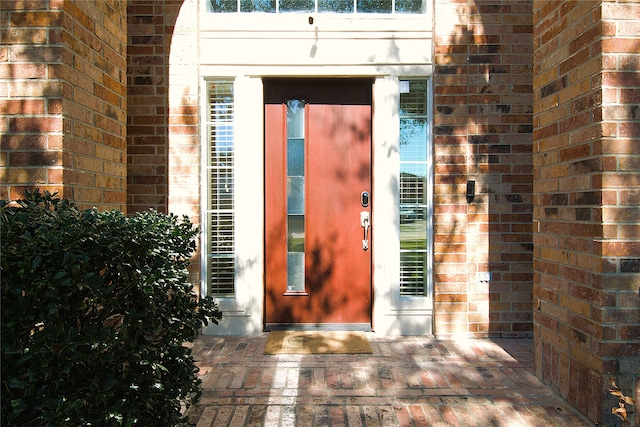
(317, 342)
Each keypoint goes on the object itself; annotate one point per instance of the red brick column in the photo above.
(482, 132)
(587, 253)
(184, 185)
(163, 127)
(62, 100)
(149, 38)
(163, 136)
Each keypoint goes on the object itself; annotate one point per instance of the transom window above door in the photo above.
(318, 6)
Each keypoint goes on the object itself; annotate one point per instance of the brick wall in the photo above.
(184, 111)
(482, 132)
(184, 120)
(149, 36)
(587, 136)
(62, 100)
(163, 114)
(163, 131)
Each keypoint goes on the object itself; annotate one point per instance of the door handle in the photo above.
(364, 223)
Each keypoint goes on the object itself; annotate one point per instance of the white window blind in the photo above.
(220, 172)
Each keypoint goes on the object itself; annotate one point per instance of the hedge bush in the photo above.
(95, 310)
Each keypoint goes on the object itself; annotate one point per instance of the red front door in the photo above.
(317, 235)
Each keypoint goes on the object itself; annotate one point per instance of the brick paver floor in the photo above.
(407, 381)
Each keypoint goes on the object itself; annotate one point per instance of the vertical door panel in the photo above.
(275, 200)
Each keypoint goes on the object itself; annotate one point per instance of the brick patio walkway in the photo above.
(407, 381)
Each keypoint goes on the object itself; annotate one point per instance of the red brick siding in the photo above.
(619, 149)
(163, 133)
(62, 100)
(147, 100)
(184, 119)
(149, 42)
(586, 258)
(482, 132)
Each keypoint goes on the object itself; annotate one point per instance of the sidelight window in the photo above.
(295, 195)
(414, 189)
(220, 226)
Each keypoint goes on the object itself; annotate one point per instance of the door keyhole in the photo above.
(364, 199)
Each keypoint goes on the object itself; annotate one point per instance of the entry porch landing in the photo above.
(406, 381)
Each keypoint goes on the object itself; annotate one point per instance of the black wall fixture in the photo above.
(471, 190)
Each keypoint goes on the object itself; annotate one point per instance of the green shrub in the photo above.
(95, 310)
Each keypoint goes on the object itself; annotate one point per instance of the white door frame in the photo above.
(384, 48)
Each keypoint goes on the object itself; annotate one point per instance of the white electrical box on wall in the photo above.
(484, 276)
